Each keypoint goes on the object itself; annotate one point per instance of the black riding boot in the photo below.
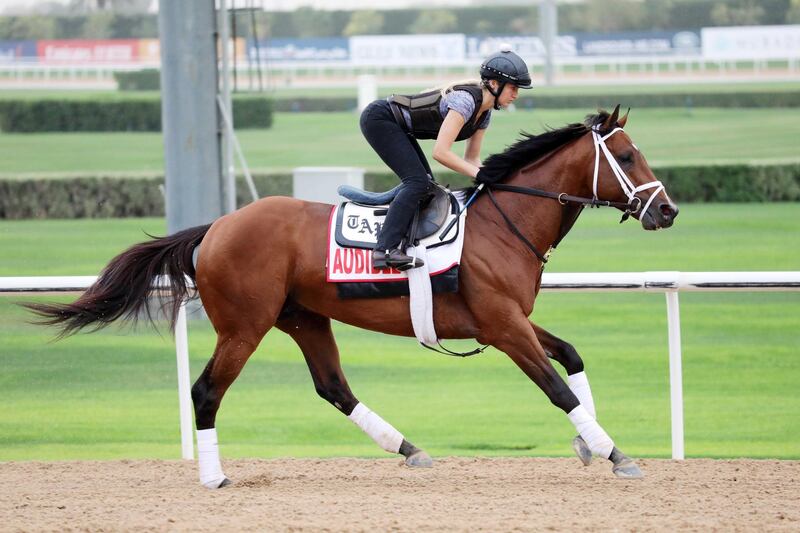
(401, 211)
(394, 259)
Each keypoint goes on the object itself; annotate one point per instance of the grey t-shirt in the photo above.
(460, 102)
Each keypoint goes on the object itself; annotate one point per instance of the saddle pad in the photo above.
(357, 226)
(354, 265)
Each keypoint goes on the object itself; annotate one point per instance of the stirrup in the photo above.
(395, 259)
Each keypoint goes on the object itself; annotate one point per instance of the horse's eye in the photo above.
(626, 158)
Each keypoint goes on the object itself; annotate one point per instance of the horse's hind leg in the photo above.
(233, 349)
(568, 357)
(312, 333)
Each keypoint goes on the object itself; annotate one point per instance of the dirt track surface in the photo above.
(458, 494)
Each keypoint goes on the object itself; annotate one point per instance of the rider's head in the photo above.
(504, 67)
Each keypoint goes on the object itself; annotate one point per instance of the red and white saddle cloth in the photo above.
(352, 233)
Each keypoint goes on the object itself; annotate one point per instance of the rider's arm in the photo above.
(443, 149)
(472, 153)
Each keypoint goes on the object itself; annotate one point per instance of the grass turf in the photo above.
(666, 137)
(112, 394)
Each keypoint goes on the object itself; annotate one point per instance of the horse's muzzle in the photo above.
(659, 215)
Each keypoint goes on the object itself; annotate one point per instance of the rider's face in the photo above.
(509, 94)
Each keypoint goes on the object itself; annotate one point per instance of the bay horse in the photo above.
(263, 266)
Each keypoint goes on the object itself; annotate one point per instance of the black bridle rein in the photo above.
(564, 199)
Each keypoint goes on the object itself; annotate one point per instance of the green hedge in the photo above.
(26, 116)
(97, 197)
(533, 101)
(138, 80)
(688, 99)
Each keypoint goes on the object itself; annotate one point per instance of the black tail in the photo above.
(123, 287)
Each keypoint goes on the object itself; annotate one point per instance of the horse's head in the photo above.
(621, 174)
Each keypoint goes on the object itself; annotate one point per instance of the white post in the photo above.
(675, 373)
(227, 118)
(224, 98)
(367, 90)
(184, 392)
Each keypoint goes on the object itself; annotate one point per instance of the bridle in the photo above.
(631, 207)
(630, 190)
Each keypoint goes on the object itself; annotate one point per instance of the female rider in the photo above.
(458, 112)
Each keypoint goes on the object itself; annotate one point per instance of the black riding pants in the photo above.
(401, 152)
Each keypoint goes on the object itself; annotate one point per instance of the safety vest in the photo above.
(426, 120)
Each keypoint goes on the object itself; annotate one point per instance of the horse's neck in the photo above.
(543, 221)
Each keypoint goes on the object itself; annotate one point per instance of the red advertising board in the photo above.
(78, 51)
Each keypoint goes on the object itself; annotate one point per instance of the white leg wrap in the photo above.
(211, 475)
(588, 428)
(377, 428)
(579, 385)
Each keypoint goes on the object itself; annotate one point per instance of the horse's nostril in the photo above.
(668, 210)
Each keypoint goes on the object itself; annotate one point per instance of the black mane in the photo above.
(532, 147)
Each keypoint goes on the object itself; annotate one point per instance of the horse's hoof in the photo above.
(582, 450)
(419, 460)
(624, 467)
(218, 484)
(627, 470)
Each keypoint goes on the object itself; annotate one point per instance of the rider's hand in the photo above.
(486, 175)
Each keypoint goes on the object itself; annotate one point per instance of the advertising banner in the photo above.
(79, 51)
(320, 49)
(149, 51)
(528, 46)
(388, 50)
(751, 42)
(13, 50)
(651, 43)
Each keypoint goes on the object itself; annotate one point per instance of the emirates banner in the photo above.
(77, 51)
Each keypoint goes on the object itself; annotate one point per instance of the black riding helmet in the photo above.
(506, 67)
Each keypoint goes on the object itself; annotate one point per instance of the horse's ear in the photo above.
(611, 121)
(624, 119)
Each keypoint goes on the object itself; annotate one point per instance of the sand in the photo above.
(458, 494)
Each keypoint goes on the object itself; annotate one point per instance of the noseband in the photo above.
(633, 205)
(630, 190)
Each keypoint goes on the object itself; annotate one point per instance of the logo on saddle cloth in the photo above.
(352, 234)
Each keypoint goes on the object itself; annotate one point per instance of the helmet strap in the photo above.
(496, 94)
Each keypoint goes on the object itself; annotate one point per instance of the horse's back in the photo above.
(270, 237)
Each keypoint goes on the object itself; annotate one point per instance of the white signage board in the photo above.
(751, 42)
(401, 50)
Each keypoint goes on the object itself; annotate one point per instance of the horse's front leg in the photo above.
(521, 344)
(578, 382)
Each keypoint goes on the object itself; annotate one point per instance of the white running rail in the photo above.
(669, 283)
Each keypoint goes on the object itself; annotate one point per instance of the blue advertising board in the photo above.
(639, 43)
(14, 50)
(312, 49)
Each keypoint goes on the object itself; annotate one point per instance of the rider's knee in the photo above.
(418, 185)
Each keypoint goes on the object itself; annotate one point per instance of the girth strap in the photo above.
(446, 351)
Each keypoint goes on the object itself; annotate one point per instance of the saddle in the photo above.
(437, 232)
(358, 222)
